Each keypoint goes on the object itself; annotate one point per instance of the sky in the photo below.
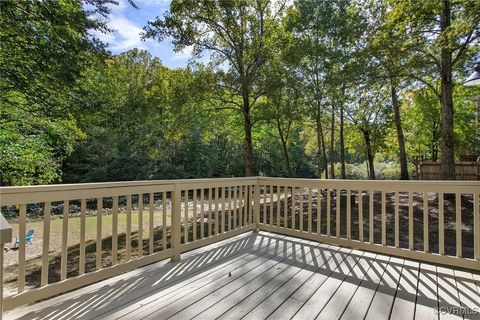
(128, 23)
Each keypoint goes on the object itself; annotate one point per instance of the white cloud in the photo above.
(185, 54)
(128, 24)
(126, 34)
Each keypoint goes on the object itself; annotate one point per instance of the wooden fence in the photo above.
(463, 171)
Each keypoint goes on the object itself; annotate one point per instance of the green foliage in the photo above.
(269, 100)
(45, 46)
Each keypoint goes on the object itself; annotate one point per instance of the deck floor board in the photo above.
(268, 276)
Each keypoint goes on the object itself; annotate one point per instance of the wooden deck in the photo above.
(263, 275)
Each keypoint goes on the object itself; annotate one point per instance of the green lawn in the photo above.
(56, 226)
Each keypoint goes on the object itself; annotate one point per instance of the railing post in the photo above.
(1, 278)
(5, 237)
(176, 215)
(256, 206)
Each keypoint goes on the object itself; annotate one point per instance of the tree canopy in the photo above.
(324, 89)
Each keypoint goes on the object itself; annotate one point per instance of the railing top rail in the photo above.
(5, 231)
(120, 184)
(376, 185)
(386, 182)
(32, 194)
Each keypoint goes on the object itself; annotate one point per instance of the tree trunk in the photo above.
(448, 149)
(368, 145)
(324, 151)
(321, 145)
(332, 144)
(248, 150)
(285, 150)
(435, 136)
(342, 145)
(400, 138)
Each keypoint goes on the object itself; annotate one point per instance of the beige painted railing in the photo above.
(411, 219)
(171, 210)
(421, 220)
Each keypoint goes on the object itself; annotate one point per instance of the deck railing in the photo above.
(132, 224)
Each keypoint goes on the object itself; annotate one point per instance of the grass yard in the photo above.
(56, 225)
(34, 250)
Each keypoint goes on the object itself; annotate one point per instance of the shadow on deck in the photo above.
(261, 275)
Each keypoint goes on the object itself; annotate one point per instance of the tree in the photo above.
(236, 33)
(284, 104)
(368, 114)
(390, 54)
(324, 32)
(441, 34)
(45, 47)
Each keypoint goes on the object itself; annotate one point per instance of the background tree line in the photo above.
(334, 89)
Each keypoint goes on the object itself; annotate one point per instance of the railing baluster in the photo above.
(185, 217)
(210, 196)
(397, 220)
(337, 212)
(410, 220)
(360, 215)
(114, 230)
(229, 209)
(384, 219)
(441, 224)
(458, 224)
(300, 199)
(164, 218)
(309, 213)
(128, 228)
(151, 211)
(98, 255)
(81, 260)
(271, 205)
(319, 210)
(176, 216)
(243, 214)
(264, 204)
(327, 194)
(202, 212)
(216, 210)
(252, 200)
(222, 214)
(235, 206)
(22, 230)
(476, 226)
(370, 218)
(278, 205)
(46, 243)
(285, 207)
(425, 222)
(63, 267)
(140, 225)
(349, 215)
(194, 227)
(239, 206)
(294, 206)
(256, 208)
